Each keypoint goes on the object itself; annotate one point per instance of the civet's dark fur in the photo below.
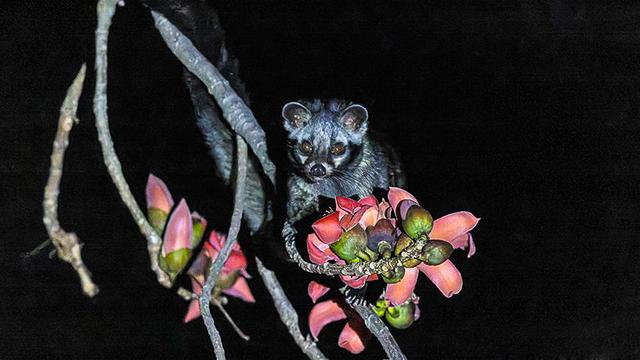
(365, 164)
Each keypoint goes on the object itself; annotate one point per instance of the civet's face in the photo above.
(323, 137)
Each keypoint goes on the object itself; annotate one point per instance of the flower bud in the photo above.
(177, 260)
(382, 237)
(401, 316)
(404, 242)
(418, 222)
(436, 252)
(350, 243)
(380, 307)
(157, 219)
(199, 227)
(393, 276)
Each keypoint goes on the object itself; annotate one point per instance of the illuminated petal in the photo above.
(401, 291)
(350, 340)
(194, 306)
(240, 289)
(346, 204)
(179, 230)
(316, 290)
(217, 239)
(463, 241)
(158, 195)
(403, 207)
(319, 252)
(369, 201)
(445, 276)
(396, 195)
(328, 228)
(355, 282)
(369, 217)
(199, 266)
(453, 225)
(322, 314)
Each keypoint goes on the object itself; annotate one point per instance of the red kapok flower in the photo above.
(234, 269)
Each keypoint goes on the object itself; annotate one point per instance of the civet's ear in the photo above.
(354, 117)
(295, 115)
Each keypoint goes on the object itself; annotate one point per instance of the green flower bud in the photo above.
(157, 219)
(436, 252)
(418, 222)
(177, 260)
(350, 244)
(404, 242)
(401, 316)
(394, 275)
(198, 231)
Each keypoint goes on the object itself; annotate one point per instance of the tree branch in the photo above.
(223, 255)
(234, 110)
(68, 245)
(105, 10)
(287, 313)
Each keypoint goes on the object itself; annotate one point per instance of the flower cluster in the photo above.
(369, 230)
(182, 231)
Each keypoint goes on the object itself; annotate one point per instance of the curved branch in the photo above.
(67, 244)
(232, 236)
(105, 10)
(234, 110)
(287, 313)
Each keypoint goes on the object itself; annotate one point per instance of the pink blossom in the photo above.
(316, 291)
(453, 228)
(179, 230)
(353, 336)
(158, 195)
(235, 264)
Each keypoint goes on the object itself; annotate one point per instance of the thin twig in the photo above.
(38, 248)
(234, 110)
(105, 10)
(223, 255)
(67, 244)
(287, 313)
(189, 296)
(235, 327)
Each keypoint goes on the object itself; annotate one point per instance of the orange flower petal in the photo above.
(396, 195)
(240, 289)
(453, 225)
(355, 282)
(350, 340)
(463, 241)
(322, 314)
(328, 228)
(445, 276)
(369, 201)
(401, 291)
(346, 204)
(316, 290)
(194, 306)
(319, 252)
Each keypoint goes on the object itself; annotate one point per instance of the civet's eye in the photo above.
(306, 147)
(337, 149)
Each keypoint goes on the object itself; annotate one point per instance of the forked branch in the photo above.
(67, 245)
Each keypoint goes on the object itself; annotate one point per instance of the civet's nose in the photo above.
(318, 170)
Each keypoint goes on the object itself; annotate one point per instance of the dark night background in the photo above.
(524, 112)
